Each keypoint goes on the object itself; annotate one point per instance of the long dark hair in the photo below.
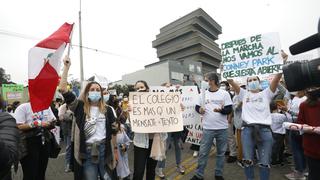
(313, 97)
(144, 83)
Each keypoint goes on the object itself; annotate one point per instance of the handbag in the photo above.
(54, 147)
(90, 128)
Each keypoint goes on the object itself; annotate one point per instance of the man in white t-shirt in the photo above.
(217, 104)
(34, 164)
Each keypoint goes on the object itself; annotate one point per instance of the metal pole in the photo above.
(80, 47)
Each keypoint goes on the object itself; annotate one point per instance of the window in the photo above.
(191, 67)
(198, 69)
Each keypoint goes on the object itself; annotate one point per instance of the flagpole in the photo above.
(80, 46)
(68, 53)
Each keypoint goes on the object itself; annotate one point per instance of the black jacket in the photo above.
(80, 118)
(9, 142)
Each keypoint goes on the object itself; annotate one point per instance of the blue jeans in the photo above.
(67, 140)
(206, 143)
(93, 170)
(264, 151)
(176, 141)
(297, 151)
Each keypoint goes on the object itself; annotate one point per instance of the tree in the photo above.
(4, 78)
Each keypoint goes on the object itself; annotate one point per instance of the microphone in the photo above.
(307, 44)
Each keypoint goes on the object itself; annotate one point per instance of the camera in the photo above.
(302, 75)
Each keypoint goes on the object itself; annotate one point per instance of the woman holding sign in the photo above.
(143, 144)
(92, 131)
(256, 123)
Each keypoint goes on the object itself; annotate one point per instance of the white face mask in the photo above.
(223, 87)
(204, 85)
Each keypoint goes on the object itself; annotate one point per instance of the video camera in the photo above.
(302, 75)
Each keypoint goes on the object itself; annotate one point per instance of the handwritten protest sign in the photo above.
(258, 55)
(195, 132)
(155, 112)
(189, 98)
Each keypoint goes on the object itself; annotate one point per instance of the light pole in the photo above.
(80, 46)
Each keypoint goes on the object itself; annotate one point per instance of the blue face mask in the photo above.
(94, 96)
(106, 97)
(253, 85)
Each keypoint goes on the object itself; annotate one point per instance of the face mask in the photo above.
(253, 85)
(204, 85)
(223, 87)
(106, 97)
(141, 90)
(94, 96)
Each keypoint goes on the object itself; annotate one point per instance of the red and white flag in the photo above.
(44, 66)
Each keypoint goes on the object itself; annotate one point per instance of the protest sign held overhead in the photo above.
(155, 112)
(258, 55)
(189, 98)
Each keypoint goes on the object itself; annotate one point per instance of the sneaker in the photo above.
(219, 178)
(231, 159)
(227, 153)
(240, 163)
(160, 173)
(67, 169)
(180, 169)
(195, 153)
(295, 176)
(196, 178)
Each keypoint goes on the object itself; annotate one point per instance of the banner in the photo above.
(155, 112)
(258, 55)
(189, 98)
(12, 91)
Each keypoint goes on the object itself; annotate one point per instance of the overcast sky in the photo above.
(125, 29)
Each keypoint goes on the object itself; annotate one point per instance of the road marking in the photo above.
(190, 165)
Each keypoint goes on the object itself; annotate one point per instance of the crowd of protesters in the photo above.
(241, 120)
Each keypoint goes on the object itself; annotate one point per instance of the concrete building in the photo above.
(192, 37)
(166, 71)
(186, 49)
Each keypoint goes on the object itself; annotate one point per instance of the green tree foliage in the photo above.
(4, 78)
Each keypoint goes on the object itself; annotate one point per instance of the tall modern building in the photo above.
(186, 49)
(192, 37)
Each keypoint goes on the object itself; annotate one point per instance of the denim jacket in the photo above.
(142, 139)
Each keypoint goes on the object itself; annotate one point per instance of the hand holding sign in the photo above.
(202, 110)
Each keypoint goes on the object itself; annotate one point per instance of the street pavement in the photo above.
(55, 170)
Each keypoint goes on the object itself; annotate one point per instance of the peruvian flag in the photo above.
(44, 66)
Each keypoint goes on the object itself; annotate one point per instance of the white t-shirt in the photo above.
(213, 100)
(100, 119)
(256, 106)
(24, 114)
(277, 121)
(295, 104)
